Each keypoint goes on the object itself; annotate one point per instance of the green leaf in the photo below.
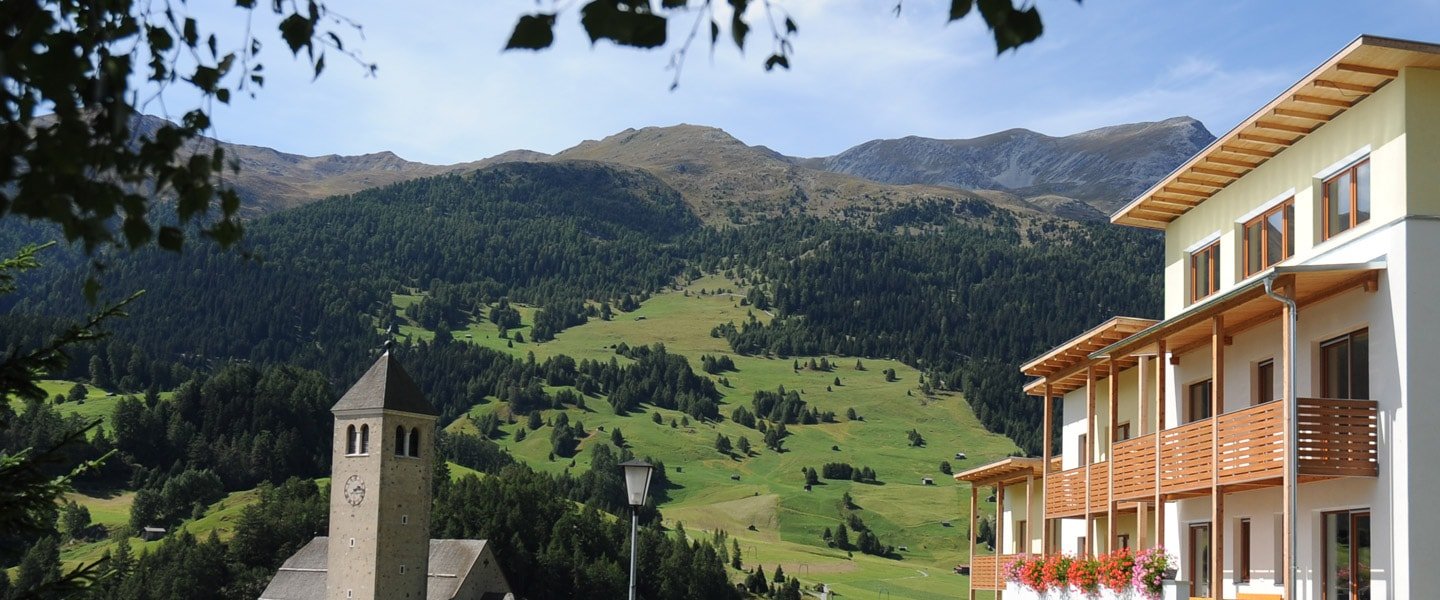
(777, 59)
(171, 238)
(319, 66)
(603, 19)
(191, 33)
(1012, 28)
(960, 8)
(790, 27)
(533, 32)
(738, 30)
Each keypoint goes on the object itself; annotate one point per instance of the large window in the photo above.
(1347, 555)
(1204, 271)
(1270, 238)
(1197, 401)
(1347, 198)
(1345, 366)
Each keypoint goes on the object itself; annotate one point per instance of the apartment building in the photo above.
(1279, 430)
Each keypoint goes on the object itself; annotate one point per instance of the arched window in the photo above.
(350, 439)
(399, 441)
(415, 442)
(364, 439)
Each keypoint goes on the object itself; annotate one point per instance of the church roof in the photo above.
(385, 386)
(302, 577)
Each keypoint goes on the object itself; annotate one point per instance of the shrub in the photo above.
(1084, 574)
(1117, 570)
(1149, 572)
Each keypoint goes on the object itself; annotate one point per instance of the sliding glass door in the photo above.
(1347, 555)
(1199, 560)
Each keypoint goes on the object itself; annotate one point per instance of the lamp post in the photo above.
(637, 487)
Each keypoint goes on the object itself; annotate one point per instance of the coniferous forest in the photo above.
(254, 345)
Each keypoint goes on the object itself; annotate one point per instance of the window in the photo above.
(1264, 382)
(404, 519)
(399, 441)
(1242, 554)
(1197, 402)
(1122, 432)
(1198, 565)
(1347, 198)
(352, 542)
(1022, 540)
(1346, 548)
(1084, 449)
(1122, 541)
(1270, 238)
(1345, 366)
(364, 439)
(415, 442)
(1204, 272)
(350, 440)
(402, 569)
(1080, 548)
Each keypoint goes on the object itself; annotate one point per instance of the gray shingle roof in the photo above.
(302, 577)
(385, 386)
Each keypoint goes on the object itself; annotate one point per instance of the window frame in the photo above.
(1264, 389)
(1348, 339)
(1122, 432)
(1353, 170)
(1213, 250)
(1190, 400)
(1286, 209)
(1243, 565)
(1084, 449)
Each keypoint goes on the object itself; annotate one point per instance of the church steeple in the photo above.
(380, 488)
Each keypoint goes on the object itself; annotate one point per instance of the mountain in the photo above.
(726, 181)
(1104, 167)
(271, 180)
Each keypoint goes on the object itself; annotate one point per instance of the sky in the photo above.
(444, 92)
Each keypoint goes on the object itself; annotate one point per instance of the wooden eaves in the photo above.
(1357, 71)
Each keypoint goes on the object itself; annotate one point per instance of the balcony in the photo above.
(986, 571)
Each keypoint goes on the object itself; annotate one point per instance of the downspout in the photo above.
(1291, 458)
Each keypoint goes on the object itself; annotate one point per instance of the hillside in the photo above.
(1104, 167)
(712, 491)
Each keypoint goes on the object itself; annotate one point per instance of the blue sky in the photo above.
(445, 93)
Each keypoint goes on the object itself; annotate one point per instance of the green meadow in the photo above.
(760, 499)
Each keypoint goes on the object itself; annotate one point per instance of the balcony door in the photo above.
(1198, 565)
(1347, 555)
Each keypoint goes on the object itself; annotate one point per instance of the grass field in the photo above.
(769, 494)
(98, 404)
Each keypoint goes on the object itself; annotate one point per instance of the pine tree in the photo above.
(743, 445)
(722, 444)
(533, 421)
(735, 555)
(655, 416)
(617, 438)
(842, 537)
(779, 574)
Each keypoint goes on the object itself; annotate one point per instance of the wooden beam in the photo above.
(1214, 172)
(1349, 87)
(1217, 543)
(1174, 190)
(1160, 402)
(1322, 101)
(1368, 70)
(1232, 162)
(1248, 151)
(1283, 127)
(1302, 114)
(1089, 453)
(1264, 139)
(1176, 202)
(1114, 408)
(1200, 182)
(999, 533)
(1045, 452)
(973, 507)
(1027, 547)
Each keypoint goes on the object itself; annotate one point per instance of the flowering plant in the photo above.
(1014, 568)
(1117, 570)
(1084, 574)
(1149, 571)
(1056, 572)
(1027, 571)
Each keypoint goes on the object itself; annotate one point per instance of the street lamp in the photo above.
(637, 487)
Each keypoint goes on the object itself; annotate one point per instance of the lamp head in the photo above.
(637, 481)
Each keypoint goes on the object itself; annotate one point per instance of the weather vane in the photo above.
(389, 338)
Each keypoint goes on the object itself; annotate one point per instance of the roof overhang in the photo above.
(1357, 71)
(1064, 366)
(1245, 307)
(1003, 472)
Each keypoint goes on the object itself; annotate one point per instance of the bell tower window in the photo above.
(364, 439)
(350, 440)
(415, 442)
(399, 441)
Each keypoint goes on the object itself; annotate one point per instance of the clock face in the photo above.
(354, 490)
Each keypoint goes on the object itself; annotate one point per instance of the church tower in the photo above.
(384, 451)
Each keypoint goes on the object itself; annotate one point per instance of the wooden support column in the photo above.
(1287, 391)
(1161, 398)
(1142, 518)
(974, 508)
(1217, 497)
(1114, 422)
(999, 534)
(1024, 546)
(1088, 452)
(1045, 468)
(1142, 428)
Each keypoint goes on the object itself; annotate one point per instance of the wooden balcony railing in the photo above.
(1252, 444)
(1135, 469)
(1099, 485)
(986, 572)
(1065, 493)
(1337, 438)
(1185, 457)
